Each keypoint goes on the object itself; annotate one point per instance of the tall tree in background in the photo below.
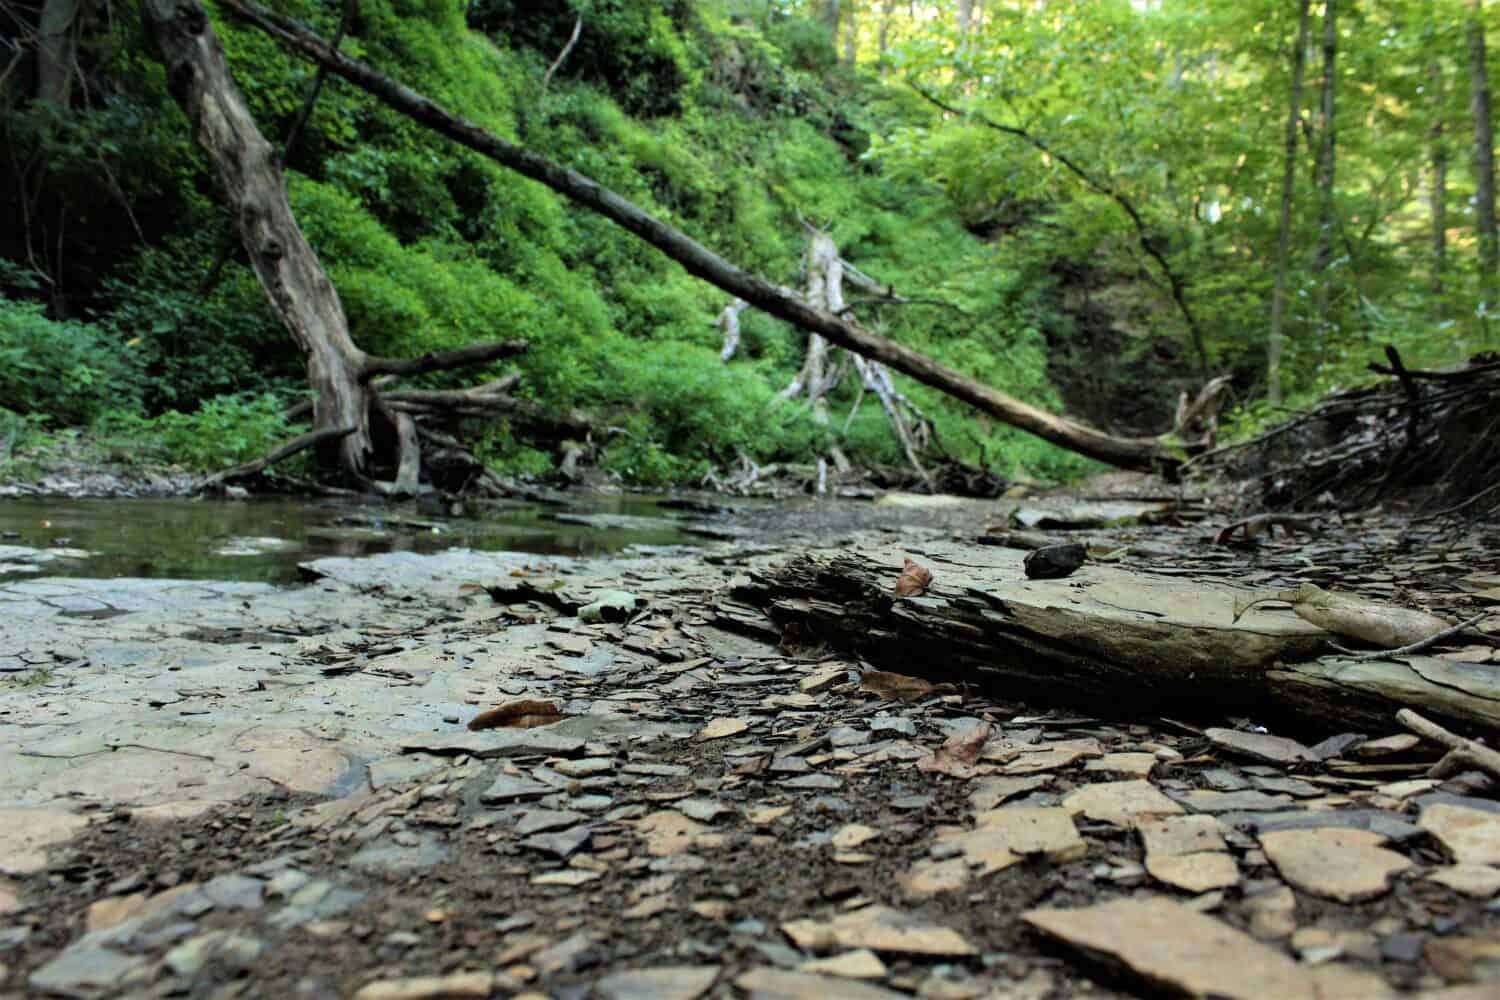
(56, 51)
(1288, 189)
(1327, 161)
(829, 12)
(1438, 190)
(851, 33)
(1484, 157)
(885, 34)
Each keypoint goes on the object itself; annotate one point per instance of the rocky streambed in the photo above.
(240, 789)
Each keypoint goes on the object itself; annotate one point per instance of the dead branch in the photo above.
(1198, 419)
(462, 357)
(563, 55)
(1419, 645)
(304, 114)
(1135, 453)
(1144, 236)
(1251, 527)
(281, 453)
(1466, 374)
(1461, 750)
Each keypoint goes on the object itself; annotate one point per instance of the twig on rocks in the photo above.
(1463, 753)
(1419, 645)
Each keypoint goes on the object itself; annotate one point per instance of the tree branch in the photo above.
(462, 357)
(1135, 453)
(294, 131)
(1175, 284)
(281, 453)
(563, 55)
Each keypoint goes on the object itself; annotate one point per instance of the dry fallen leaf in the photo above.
(914, 580)
(899, 687)
(958, 754)
(526, 713)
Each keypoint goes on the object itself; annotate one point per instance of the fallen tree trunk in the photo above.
(1105, 637)
(1132, 453)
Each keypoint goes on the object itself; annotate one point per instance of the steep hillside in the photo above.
(738, 130)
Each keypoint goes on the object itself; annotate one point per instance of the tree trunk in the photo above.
(885, 35)
(249, 170)
(1484, 158)
(1328, 135)
(56, 50)
(1276, 338)
(1438, 196)
(851, 32)
(830, 14)
(698, 260)
(965, 19)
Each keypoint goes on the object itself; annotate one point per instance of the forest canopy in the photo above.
(1091, 206)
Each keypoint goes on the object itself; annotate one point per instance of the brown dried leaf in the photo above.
(958, 754)
(914, 580)
(525, 713)
(896, 687)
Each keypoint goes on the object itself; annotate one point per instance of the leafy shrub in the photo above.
(70, 371)
(191, 346)
(633, 47)
(225, 430)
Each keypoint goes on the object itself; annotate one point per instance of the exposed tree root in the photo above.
(1429, 438)
(281, 453)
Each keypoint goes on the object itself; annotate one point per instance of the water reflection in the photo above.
(264, 539)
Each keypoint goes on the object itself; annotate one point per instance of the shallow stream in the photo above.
(265, 539)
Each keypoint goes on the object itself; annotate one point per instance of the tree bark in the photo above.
(57, 50)
(1108, 637)
(965, 19)
(1276, 338)
(1438, 195)
(1134, 453)
(1328, 135)
(885, 35)
(851, 33)
(1484, 158)
(289, 272)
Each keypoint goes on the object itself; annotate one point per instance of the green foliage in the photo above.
(69, 371)
(193, 343)
(735, 126)
(225, 430)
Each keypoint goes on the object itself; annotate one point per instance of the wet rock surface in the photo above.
(238, 790)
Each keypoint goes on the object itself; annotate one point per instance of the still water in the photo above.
(264, 539)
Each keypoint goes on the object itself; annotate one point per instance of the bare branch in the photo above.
(462, 357)
(561, 56)
(1144, 236)
(281, 453)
